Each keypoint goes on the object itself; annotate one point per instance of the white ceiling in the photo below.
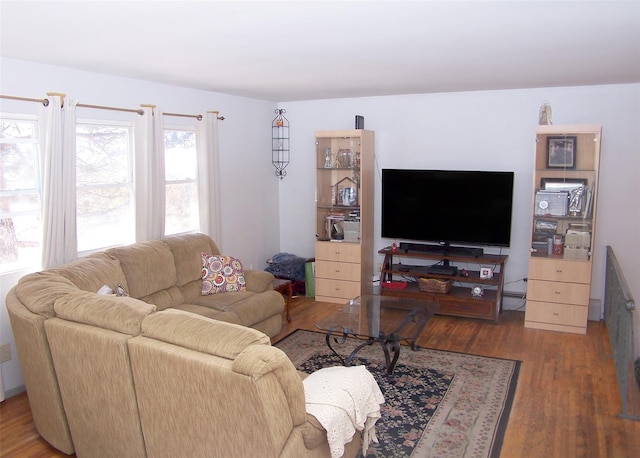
(302, 50)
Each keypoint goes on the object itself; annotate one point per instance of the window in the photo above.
(181, 181)
(104, 179)
(105, 191)
(20, 193)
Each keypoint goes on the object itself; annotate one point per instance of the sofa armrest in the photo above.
(313, 433)
(257, 361)
(258, 281)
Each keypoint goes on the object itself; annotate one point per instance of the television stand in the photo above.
(458, 301)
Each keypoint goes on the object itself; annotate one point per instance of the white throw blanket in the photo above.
(343, 400)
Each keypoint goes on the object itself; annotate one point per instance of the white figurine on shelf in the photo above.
(545, 114)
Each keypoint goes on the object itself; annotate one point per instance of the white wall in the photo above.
(262, 215)
(250, 220)
(489, 130)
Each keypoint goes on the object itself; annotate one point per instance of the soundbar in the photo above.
(440, 249)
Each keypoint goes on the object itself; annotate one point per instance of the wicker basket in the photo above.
(433, 285)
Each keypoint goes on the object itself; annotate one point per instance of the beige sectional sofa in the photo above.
(72, 342)
(141, 383)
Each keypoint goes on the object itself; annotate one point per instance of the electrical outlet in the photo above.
(5, 353)
(379, 267)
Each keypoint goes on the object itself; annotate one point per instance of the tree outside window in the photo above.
(181, 181)
(104, 180)
(20, 193)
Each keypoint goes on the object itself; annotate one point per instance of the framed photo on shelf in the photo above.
(561, 152)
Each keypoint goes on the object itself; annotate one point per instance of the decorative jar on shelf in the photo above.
(345, 158)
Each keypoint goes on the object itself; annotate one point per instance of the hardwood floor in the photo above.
(565, 405)
(566, 400)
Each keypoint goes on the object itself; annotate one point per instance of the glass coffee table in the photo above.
(385, 320)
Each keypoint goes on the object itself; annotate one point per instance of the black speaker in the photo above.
(359, 122)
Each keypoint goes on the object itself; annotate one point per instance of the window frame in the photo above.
(195, 181)
(130, 183)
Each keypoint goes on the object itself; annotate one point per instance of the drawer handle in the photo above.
(337, 252)
(337, 271)
(559, 271)
(556, 314)
(557, 292)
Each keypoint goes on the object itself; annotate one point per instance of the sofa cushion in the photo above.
(149, 267)
(117, 313)
(38, 291)
(227, 317)
(222, 274)
(222, 301)
(92, 272)
(258, 307)
(202, 334)
(165, 298)
(186, 251)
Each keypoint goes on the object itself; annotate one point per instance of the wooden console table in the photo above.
(285, 288)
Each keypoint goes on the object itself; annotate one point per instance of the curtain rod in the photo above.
(45, 102)
(101, 107)
(180, 115)
(198, 116)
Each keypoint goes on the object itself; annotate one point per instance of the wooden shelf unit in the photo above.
(344, 214)
(459, 300)
(559, 278)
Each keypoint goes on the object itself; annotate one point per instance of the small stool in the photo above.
(284, 287)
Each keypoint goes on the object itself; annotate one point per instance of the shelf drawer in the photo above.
(559, 270)
(563, 293)
(562, 314)
(471, 307)
(338, 251)
(338, 270)
(337, 288)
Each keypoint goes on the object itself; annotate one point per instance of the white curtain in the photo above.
(59, 244)
(209, 176)
(149, 174)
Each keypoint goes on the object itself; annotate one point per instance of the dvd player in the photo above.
(435, 269)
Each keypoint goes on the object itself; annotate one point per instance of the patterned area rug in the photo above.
(438, 403)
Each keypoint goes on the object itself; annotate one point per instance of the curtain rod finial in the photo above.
(215, 112)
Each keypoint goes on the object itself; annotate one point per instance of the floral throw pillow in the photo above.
(221, 274)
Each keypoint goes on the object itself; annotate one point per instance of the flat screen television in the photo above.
(448, 207)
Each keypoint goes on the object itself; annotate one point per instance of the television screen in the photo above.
(447, 206)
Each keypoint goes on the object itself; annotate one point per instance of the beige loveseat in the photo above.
(158, 275)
